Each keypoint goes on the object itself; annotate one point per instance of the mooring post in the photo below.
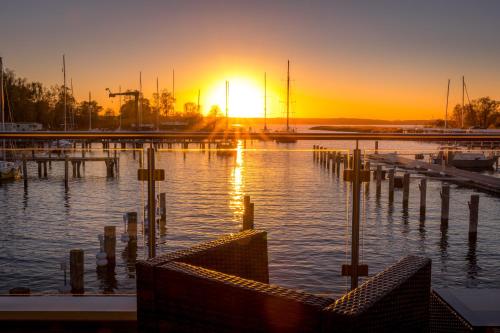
(379, 179)
(163, 212)
(376, 147)
(445, 204)
(423, 193)
(66, 172)
(334, 161)
(25, 172)
(406, 189)
(39, 165)
(366, 167)
(473, 216)
(248, 213)
(110, 244)
(132, 225)
(76, 269)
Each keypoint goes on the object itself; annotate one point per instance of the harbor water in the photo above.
(304, 208)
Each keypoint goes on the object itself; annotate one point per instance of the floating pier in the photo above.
(458, 176)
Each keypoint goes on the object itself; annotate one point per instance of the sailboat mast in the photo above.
(288, 97)
(64, 75)
(90, 112)
(198, 106)
(446, 113)
(2, 105)
(120, 107)
(265, 102)
(463, 101)
(1, 95)
(157, 105)
(227, 108)
(140, 100)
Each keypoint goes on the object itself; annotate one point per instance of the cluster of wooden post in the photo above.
(248, 213)
(329, 159)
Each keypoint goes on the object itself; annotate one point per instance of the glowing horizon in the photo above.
(348, 60)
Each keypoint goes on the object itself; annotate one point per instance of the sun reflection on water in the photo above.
(237, 186)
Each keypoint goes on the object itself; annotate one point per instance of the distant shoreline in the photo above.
(334, 121)
(358, 129)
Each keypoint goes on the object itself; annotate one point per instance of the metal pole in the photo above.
(64, 71)
(90, 112)
(2, 106)
(446, 114)
(151, 204)
(288, 96)
(355, 219)
(227, 108)
(265, 102)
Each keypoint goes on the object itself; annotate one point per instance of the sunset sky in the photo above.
(364, 59)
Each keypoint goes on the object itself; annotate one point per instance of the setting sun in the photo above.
(246, 98)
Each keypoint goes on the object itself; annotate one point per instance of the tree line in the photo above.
(482, 113)
(27, 101)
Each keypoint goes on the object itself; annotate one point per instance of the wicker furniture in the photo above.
(222, 286)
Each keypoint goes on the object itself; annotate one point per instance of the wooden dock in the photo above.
(458, 176)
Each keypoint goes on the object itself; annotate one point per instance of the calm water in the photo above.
(301, 205)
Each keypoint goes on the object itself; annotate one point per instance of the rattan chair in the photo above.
(223, 286)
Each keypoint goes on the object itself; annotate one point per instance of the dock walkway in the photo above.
(462, 177)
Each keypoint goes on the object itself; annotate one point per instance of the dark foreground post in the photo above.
(445, 204)
(76, 271)
(473, 216)
(406, 190)
(248, 213)
(391, 186)
(132, 225)
(110, 244)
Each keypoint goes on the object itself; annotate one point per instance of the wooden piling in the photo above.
(423, 194)
(78, 165)
(76, 270)
(163, 212)
(39, 165)
(391, 186)
(73, 168)
(248, 213)
(379, 179)
(25, 172)
(445, 204)
(376, 147)
(132, 225)
(406, 189)
(45, 169)
(110, 243)
(473, 216)
(66, 172)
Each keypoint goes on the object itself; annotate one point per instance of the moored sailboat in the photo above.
(8, 170)
(285, 136)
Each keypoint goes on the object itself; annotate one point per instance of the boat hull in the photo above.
(473, 164)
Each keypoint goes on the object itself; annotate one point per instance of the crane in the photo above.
(134, 93)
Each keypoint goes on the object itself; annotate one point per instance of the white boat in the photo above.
(469, 160)
(9, 170)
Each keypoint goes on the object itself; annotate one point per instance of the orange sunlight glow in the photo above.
(245, 100)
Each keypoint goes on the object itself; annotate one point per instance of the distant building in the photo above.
(22, 127)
